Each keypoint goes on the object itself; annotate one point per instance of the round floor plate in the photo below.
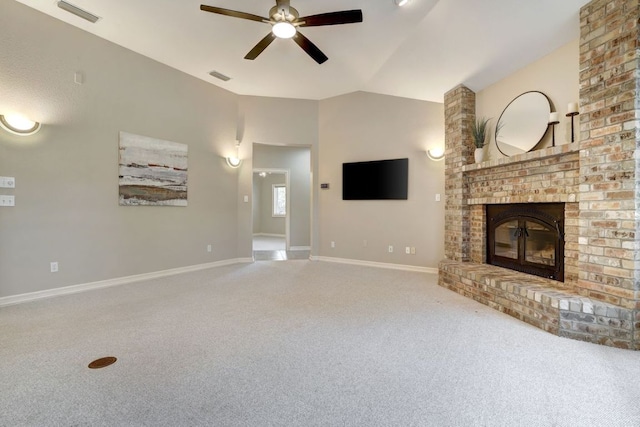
(102, 362)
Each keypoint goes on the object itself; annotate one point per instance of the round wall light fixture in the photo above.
(435, 154)
(234, 161)
(18, 125)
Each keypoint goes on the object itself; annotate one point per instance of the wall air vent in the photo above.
(220, 76)
(78, 12)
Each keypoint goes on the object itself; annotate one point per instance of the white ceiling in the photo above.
(418, 51)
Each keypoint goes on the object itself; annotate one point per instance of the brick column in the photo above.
(460, 112)
(609, 239)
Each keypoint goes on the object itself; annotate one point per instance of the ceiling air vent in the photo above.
(78, 12)
(220, 76)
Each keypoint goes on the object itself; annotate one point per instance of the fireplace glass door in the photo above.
(506, 244)
(527, 238)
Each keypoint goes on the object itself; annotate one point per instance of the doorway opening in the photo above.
(281, 208)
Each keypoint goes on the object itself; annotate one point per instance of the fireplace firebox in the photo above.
(527, 237)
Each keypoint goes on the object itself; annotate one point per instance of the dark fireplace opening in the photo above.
(527, 237)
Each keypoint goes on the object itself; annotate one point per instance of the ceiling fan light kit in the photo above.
(284, 30)
(285, 22)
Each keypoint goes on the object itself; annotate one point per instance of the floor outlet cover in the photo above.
(103, 362)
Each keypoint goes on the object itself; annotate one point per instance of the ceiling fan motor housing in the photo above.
(283, 13)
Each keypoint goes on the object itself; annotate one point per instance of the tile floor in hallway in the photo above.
(272, 248)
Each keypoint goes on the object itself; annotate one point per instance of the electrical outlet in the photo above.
(208, 248)
(333, 244)
(54, 267)
(413, 250)
(407, 250)
(390, 248)
(7, 200)
(437, 197)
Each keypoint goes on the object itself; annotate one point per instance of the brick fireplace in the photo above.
(595, 179)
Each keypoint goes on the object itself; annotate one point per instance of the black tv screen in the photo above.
(376, 180)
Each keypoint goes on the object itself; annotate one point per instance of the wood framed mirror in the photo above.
(523, 123)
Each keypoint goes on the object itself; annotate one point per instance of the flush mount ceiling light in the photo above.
(18, 125)
(401, 2)
(78, 11)
(435, 154)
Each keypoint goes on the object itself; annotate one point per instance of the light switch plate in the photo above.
(7, 200)
(7, 182)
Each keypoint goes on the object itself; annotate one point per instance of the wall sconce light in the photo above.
(435, 154)
(18, 125)
(234, 162)
(573, 111)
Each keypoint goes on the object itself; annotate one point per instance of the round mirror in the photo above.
(523, 123)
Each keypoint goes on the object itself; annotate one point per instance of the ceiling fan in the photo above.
(285, 20)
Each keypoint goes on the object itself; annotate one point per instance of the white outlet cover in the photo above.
(7, 200)
(7, 182)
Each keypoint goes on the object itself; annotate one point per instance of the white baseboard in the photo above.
(300, 248)
(32, 296)
(376, 264)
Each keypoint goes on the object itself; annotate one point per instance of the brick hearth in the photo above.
(599, 301)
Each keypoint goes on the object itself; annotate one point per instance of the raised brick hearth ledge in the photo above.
(537, 301)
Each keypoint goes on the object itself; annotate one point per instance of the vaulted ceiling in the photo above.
(419, 51)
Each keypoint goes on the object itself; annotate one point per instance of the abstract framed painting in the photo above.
(152, 172)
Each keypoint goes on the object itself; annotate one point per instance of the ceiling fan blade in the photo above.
(311, 49)
(262, 45)
(233, 13)
(332, 18)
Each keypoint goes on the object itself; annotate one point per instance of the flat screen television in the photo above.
(376, 180)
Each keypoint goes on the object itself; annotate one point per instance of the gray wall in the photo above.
(297, 160)
(266, 223)
(256, 205)
(280, 122)
(362, 127)
(67, 175)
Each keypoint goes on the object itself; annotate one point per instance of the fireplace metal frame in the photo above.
(550, 215)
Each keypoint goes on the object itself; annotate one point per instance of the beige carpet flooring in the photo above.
(300, 343)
